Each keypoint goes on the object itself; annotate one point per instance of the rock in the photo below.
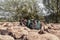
(6, 37)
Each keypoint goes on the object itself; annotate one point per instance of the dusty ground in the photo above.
(13, 31)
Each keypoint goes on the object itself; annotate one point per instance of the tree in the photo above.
(21, 8)
(54, 5)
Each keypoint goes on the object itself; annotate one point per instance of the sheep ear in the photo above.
(41, 32)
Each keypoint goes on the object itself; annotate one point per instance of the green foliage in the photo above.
(27, 9)
(54, 5)
(2, 19)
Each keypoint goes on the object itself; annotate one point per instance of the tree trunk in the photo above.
(57, 13)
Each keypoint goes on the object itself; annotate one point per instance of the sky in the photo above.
(43, 10)
(2, 0)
